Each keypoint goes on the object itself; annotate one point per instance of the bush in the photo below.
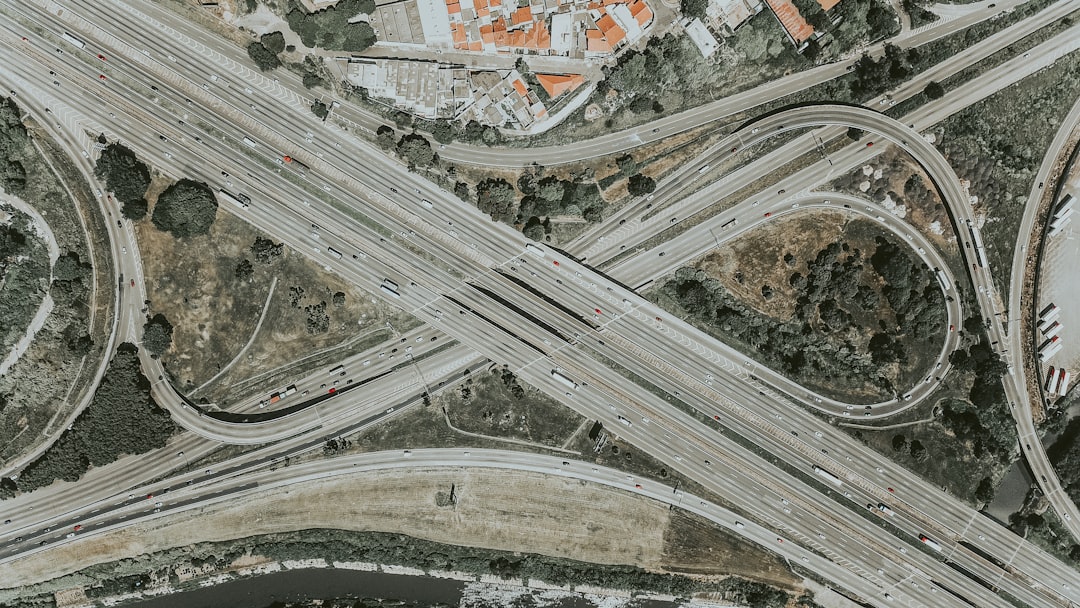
(186, 208)
(320, 109)
(121, 419)
(934, 90)
(694, 8)
(13, 139)
(264, 58)
(157, 335)
(640, 185)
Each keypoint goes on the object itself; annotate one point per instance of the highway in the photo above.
(497, 246)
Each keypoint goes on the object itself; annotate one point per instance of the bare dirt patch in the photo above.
(195, 284)
(758, 258)
(696, 546)
(895, 179)
(503, 510)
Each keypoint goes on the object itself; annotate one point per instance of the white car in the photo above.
(367, 362)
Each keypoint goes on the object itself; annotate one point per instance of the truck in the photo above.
(977, 245)
(535, 250)
(944, 280)
(1053, 329)
(300, 167)
(1050, 375)
(833, 479)
(333, 252)
(884, 508)
(1059, 381)
(274, 398)
(427, 204)
(291, 390)
(929, 542)
(73, 40)
(1064, 388)
(1051, 311)
(1045, 355)
(729, 224)
(556, 374)
(624, 421)
(337, 370)
(1066, 204)
(390, 288)
(226, 195)
(250, 142)
(1061, 217)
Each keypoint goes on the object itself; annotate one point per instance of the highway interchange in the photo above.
(488, 283)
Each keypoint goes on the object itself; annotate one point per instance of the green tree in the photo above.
(416, 150)
(265, 250)
(640, 185)
(186, 208)
(126, 177)
(385, 137)
(244, 270)
(934, 90)
(497, 198)
(274, 42)
(442, 131)
(695, 8)
(320, 109)
(157, 335)
(264, 58)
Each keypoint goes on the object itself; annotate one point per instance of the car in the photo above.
(869, 144)
(389, 410)
(101, 57)
(133, 284)
(102, 77)
(7, 521)
(781, 191)
(149, 497)
(157, 504)
(768, 214)
(419, 338)
(78, 527)
(367, 362)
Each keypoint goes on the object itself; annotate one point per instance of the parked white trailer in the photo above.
(556, 374)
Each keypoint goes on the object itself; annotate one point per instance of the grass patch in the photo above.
(213, 288)
(493, 402)
(53, 375)
(24, 276)
(831, 302)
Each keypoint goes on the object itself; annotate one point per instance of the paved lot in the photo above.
(1060, 284)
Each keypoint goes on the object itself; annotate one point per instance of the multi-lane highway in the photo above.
(535, 312)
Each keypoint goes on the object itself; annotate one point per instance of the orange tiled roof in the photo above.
(827, 4)
(605, 23)
(476, 46)
(644, 14)
(482, 11)
(458, 32)
(557, 84)
(596, 42)
(792, 21)
(521, 15)
(495, 3)
(520, 87)
(453, 8)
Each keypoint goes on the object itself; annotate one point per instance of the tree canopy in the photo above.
(186, 208)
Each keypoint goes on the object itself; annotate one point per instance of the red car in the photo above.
(768, 214)
(102, 76)
(78, 527)
(132, 282)
(101, 57)
(869, 143)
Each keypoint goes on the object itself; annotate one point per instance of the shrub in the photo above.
(264, 58)
(157, 335)
(126, 176)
